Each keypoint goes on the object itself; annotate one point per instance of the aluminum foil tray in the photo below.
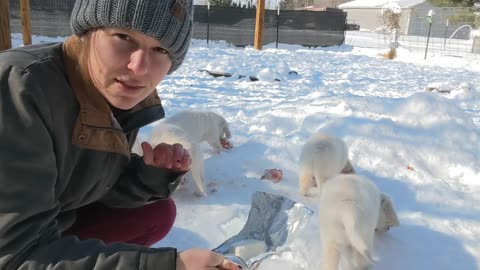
(273, 222)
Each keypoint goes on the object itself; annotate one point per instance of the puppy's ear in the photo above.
(391, 218)
(348, 169)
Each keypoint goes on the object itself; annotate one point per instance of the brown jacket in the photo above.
(61, 148)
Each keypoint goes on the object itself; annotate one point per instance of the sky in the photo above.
(411, 126)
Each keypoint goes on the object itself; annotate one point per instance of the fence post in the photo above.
(208, 21)
(445, 37)
(5, 37)
(26, 23)
(278, 24)
(259, 24)
(429, 20)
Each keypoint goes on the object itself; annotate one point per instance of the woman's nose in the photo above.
(138, 62)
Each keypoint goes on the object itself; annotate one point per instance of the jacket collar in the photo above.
(96, 127)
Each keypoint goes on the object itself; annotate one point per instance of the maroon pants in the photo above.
(145, 225)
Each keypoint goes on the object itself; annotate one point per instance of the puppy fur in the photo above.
(389, 218)
(351, 209)
(202, 126)
(321, 158)
(169, 133)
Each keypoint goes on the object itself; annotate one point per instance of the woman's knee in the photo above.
(161, 217)
(166, 211)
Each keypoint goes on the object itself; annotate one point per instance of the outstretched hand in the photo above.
(167, 156)
(203, 259)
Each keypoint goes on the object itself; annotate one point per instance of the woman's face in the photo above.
(126, 65)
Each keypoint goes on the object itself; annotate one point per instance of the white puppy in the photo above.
(351, 209)
(321, 158)
(203, 126)
(190, 128)
(169, 133)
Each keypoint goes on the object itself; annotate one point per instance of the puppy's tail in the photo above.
(357, 237)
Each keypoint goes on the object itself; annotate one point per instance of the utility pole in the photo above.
(5, 38)
(259, 24)
(26, 22)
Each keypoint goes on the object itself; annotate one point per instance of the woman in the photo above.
(73, 196)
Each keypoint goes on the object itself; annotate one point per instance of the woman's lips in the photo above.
(128, 85)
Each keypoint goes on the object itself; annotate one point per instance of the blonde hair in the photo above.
(85, 53)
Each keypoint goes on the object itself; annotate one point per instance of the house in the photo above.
(413, 21)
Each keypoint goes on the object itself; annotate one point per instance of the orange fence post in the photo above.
(5, 36)
(26, 22)
(259, 24)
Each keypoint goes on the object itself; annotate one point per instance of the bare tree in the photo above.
(334, 3)
(292, 4)
(391, 14)
(221, 3)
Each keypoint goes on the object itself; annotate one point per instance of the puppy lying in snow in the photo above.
(321, 158)
(169, 133)
(203, 126)
(351, 209)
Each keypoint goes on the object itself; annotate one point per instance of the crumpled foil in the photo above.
(273, 221)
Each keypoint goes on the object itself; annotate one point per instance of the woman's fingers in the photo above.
(147, 153)
(162, 156)
(228, 265)
(219, 262)
(178, 153)
(166, 156)
(203, 259)
(181, 158)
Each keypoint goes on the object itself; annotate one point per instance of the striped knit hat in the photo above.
(168, 21)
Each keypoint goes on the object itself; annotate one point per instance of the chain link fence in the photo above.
(444, 36)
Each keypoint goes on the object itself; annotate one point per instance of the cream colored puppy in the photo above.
(168, 133)
(351, 209)
(203, 126)
(321, 158)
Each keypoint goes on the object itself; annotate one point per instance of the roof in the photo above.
(379, 3)
(319, 8)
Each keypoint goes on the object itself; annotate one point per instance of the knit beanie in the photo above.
(168, 21)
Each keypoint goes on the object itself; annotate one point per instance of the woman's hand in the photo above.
(168, 156)
(203, 259)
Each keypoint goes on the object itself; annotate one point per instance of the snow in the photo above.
(393, 7)
(411, 125)
(379, 3)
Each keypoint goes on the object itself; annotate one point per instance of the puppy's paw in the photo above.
(305, 194)
(304, 191)
(200, 194)
(226, 144)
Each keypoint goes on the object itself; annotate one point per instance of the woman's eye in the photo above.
(160, 50)
(123, 41)
(122, 36)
